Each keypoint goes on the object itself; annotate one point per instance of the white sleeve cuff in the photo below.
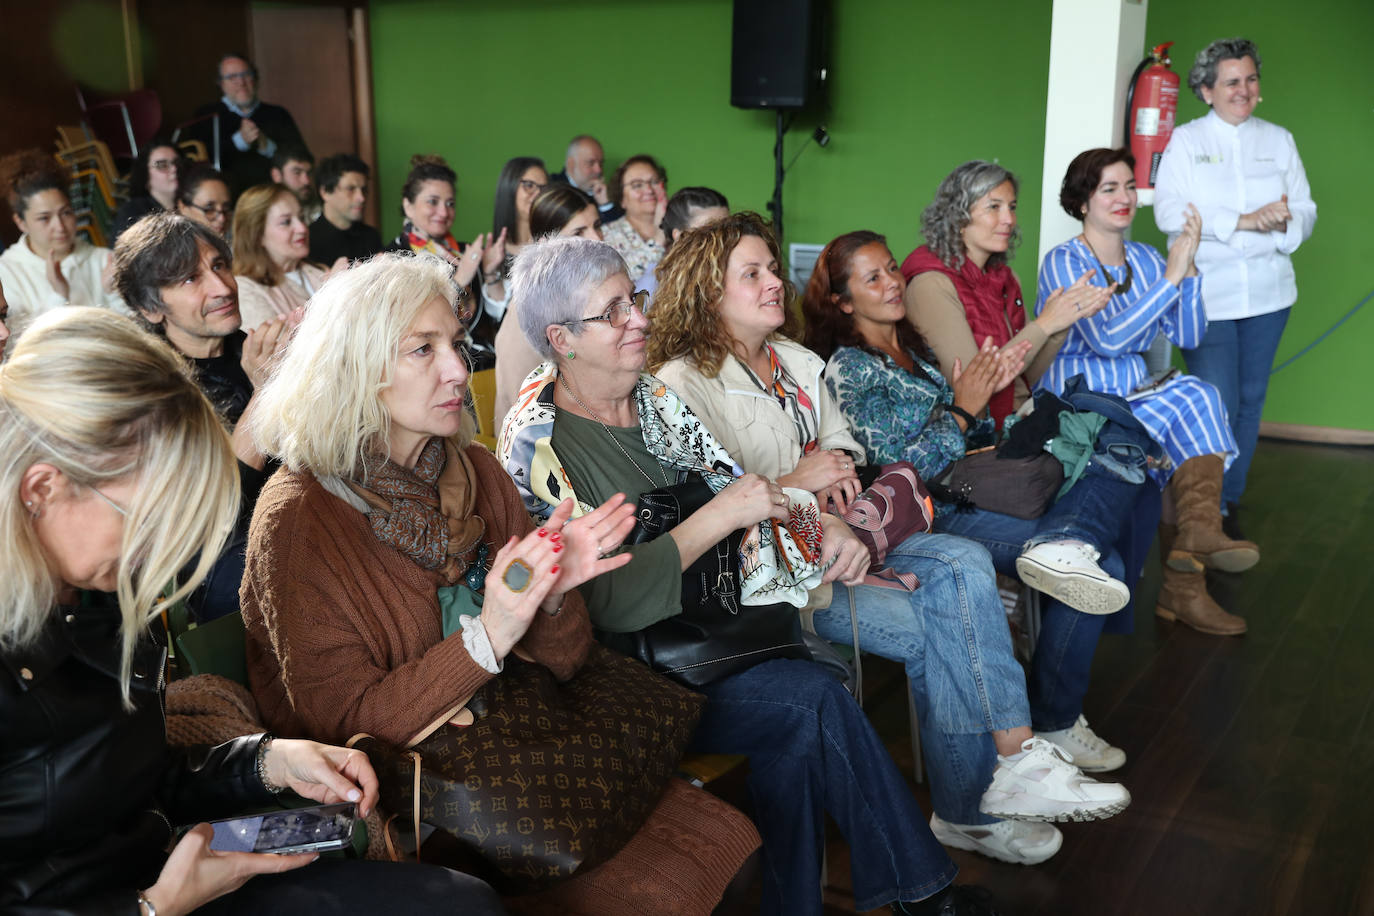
(479, 646)
(494, 307)
(269, 148)
(239, 143)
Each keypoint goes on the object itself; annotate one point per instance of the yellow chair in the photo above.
(482, 389)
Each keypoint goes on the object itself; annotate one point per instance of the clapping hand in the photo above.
(1080, 299)
(1184, 249)
(990, 370)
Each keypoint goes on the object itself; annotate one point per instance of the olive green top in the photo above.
(649, 588)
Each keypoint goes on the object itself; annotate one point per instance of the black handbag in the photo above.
(1024, 487)
(715, 635)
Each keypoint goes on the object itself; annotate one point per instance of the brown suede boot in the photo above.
(1197, 496)
(1183, 597)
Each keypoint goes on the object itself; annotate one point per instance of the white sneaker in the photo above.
(1017, 842)
(1089, 752)
(1067, 571)
(1043, 785)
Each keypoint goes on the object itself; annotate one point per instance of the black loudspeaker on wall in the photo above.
(778, 54)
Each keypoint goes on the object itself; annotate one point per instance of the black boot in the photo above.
(955, 900)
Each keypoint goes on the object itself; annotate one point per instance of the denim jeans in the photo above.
(1237, 357)
(1094, 511)
(812, 752)
(951, 634)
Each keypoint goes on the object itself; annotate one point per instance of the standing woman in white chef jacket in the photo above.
(1246, 179)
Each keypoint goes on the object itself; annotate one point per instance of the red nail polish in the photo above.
(553, 570)
(543, 532)
(557, 547)
(557, 536)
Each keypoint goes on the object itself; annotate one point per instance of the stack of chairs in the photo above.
(97, 187)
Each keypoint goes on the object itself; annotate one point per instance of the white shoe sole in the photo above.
(1081, 812)
(1080, 592)
(959, 840)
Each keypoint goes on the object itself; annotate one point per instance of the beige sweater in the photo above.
(934, 308)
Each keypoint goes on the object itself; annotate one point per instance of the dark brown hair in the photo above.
(29, 172)
(554, 207)
(427, 167)
(615, 189)
(1080, 181)
(829, 327)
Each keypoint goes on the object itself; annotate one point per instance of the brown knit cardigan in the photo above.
(345, 632)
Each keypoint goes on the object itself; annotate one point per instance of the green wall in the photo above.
(906, 104)
(1317, 81)
(916, 88)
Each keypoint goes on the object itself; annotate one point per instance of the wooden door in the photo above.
(313, 60)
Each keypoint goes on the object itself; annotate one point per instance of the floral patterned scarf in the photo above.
(777, 562)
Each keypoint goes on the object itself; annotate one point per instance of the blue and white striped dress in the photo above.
(1186, 416)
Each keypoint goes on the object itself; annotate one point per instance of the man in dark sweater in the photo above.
(250, 130)
(340, 231)
(583, 168)
(176, 275)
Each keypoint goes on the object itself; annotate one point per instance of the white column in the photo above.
(1095, 45)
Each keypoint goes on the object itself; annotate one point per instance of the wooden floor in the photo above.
(1249, 759)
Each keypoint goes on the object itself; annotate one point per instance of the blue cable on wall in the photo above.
(1325, 334)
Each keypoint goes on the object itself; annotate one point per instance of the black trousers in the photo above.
(336, 886)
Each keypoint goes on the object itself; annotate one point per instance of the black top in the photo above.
(130, 212)
(91, 789)
(246, 169)
(223, 380)
(609, 211)
(328, 242)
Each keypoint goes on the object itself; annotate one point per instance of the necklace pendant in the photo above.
(476, 576)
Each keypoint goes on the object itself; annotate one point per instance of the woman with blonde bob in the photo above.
(383, 512)
(271, 244)
(99, 422)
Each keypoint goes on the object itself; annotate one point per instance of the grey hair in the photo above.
(943, 221)
(577, 141)
(552, 280)
(1204, 69)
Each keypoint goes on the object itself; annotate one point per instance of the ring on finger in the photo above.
(517, 575)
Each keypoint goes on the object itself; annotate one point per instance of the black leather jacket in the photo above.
(89, 790)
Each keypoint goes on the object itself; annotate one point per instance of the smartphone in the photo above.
(317, 829)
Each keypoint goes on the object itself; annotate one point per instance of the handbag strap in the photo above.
(858, 656)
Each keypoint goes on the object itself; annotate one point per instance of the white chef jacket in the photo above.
(1225, 170)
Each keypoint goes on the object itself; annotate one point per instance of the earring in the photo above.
(572, 354)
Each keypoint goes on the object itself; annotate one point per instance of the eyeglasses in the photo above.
(527, 185)
(618, 315)
(644, 184)
(214, 209)
(112, 504)
(242, 75)
(163, 165)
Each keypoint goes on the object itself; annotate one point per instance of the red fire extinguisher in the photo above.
(1151, 104)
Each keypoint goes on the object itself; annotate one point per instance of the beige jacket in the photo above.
(751, 424)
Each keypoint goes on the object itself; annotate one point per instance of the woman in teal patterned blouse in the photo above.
(901, 408)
